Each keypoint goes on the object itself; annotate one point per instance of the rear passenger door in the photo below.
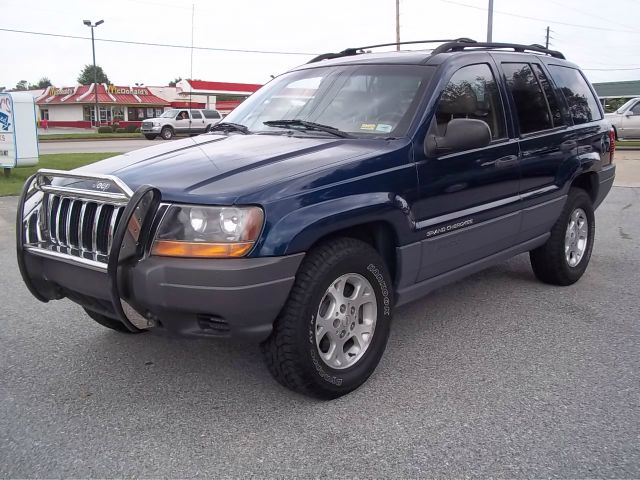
(197, 122)
(468, 205)
(545, 143)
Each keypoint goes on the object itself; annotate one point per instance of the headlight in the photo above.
(207, 232)
(156, 124)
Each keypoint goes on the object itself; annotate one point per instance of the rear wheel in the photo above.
(112, 323)
(333, 330)
(565, 256)
(166, 133)
(150, 136)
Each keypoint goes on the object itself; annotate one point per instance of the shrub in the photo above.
(115, 126)
(105, 130)
(131, 128)
(121, 130)
(137, 130)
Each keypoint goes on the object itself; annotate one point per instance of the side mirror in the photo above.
(461, 134)
(628, 113)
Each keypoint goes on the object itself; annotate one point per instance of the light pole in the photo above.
(490, 23)
(95, 71)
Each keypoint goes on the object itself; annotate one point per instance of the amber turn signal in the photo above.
(173, 248)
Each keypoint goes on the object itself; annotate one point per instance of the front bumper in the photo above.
(237, 298)
(99, 259)
(151, 129)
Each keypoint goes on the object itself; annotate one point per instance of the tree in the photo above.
(44, 82)
(174, 82)
(86, 76)
(21, 85)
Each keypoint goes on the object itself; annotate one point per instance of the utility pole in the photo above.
(490, 23)
(95, 70)
(398, 25)
(546, 42)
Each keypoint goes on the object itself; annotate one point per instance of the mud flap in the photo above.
(128, 247)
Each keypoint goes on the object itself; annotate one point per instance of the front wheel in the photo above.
(150, 136)
(565, 256)
(166, 133)
(333, 330)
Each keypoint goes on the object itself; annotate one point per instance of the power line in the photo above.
(537, 19)
(151, 44)
(589, 14)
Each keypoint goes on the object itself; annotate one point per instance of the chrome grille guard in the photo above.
(118, 239)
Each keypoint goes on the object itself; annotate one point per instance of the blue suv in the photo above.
(341, 189)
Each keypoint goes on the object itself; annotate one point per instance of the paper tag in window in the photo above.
(368, 126)
(383, 127)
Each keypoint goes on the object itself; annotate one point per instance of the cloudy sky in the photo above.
(601, 36)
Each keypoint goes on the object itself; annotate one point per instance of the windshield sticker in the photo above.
(368, 126)
(383, 127)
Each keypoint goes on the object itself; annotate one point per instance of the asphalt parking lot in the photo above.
(497, 375)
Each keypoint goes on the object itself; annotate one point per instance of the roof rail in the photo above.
(458, 46)
(355, 51)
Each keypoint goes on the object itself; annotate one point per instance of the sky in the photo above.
(602, 37)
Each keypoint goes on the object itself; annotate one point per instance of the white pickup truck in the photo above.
(180, 121)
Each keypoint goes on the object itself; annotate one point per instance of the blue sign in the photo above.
(4, 122)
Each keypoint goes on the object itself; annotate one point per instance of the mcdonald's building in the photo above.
(76, 106)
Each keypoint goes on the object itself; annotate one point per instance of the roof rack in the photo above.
(461, 44)
(355, 51)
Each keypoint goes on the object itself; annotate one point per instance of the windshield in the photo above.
(169, 113)
(626, 105)
(365, 100)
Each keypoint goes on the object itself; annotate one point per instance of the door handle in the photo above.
(507, 161)
(568, 145)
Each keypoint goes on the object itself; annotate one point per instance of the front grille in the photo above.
(147, 124)
(78, 227)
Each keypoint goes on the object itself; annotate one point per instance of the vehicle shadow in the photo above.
(229, 372)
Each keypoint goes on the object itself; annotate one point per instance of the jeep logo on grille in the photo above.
(103, 186)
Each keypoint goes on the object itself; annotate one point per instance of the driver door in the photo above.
(468, 205)
(183, 122)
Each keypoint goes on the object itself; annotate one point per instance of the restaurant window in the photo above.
(118, 114)
(88, 113)
(44, 114)
(138, 114)
(159, 112)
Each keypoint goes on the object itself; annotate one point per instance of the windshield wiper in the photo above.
(303, 124)
(230, 127)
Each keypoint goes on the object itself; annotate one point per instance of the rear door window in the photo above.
(583, 106)
(552, 100)
(531, 104)
(211, 114)
(196, 114)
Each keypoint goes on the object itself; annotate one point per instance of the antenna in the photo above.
(193, 10)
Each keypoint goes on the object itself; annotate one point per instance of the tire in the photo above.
(550, 262)
(166, 133)
(109, 322)
(150, 136)
(293, 354)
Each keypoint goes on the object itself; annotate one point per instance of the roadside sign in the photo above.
(18, 130)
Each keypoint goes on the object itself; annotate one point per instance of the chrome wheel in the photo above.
(346, 321)
(576, 237)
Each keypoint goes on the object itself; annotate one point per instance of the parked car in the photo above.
(626, 120)
(178, 121)
(340, 190)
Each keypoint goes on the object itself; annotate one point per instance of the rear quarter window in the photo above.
(211, 114)
(582, 103)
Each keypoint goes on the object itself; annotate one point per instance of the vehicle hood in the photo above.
(220, 168)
